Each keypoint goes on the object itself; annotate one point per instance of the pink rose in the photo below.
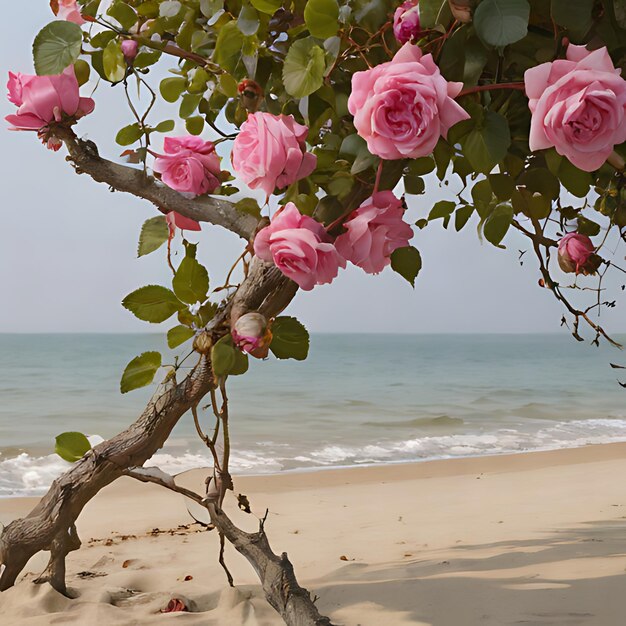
(189, 165)
(251, 334)
(402, 107)
(577, 254)
(42, 100)
(176, 220)
(67, 10)
(270, 152)
(406, 22)
(129, 49)
(374, 231)
(300, 248)
(578, 106)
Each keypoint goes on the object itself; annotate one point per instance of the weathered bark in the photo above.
(61, 546)
(53, 517)
(84, 155)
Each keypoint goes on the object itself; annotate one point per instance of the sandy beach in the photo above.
(536, 538)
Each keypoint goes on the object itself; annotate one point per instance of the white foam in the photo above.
(25, 475)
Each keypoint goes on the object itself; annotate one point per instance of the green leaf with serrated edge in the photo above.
(502, 22)
(71, 446)
(498, 223)
(223, 356)
(129, 134)
(152, 303)
(140, 371)
(303, 70)
(113, 62)
(123, 13)
(56, 46)
(462, 215)
(178, 335)
(440, 209)
(290, 339)
(191, 281)
(266, 6)
(407, 262)
(172, 88)
(322, 18)
(154, 233)
(486, 145)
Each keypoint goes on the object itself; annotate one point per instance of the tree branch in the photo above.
(86, 160)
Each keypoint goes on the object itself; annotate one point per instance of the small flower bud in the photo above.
(203, 343)
(577, 255)
(406, 22)
(129, 49)
(251, 334)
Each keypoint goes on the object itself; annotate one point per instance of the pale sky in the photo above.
(68, 254)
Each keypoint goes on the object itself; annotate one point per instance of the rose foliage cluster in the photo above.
(339, 112)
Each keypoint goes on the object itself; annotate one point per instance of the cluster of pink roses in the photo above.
(302, 249)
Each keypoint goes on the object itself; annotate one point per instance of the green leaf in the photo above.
(462, 215)
(123, 13)
(241, 364)
(303, 70)
(487, 144)
(290, 339)
(502, 185)
(113, 62)
(502, 22)
(152, 303)
(194, 125)
(266, 6)
(587, 227)
(575, 15)
(129, 134)
(82, 69)
(172, 87)
(71, 446)
(576, 181)
(407, 262)
(421, 166)
(178, 335)
(230, 41)
(498, 223)
(223, 356)
(191, 282)
(140, 371)
(165, 126)
(441, 209)
(414, 185)
(322, 18)
(154, 233)
(249, 206)
(248, 20)
(56, 46)
(429, 10)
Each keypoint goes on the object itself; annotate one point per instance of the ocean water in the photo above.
(358, 399)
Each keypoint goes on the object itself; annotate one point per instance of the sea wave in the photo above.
(26, 475)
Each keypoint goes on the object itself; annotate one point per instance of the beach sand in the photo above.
(536, 538)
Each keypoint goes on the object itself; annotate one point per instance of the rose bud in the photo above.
(251, 95)
(577, 255)
(251, 334)
(129, 49)
(406, 22)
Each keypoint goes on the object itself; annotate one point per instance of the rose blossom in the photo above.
(67, 10)
(578, 105)
(402, 107)
(129, 49)
(406, 22)
(374, 231)
(270, 152)
(189, 165)
(577, 254)
(300, 248)
(252, 335)
(42, 100)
